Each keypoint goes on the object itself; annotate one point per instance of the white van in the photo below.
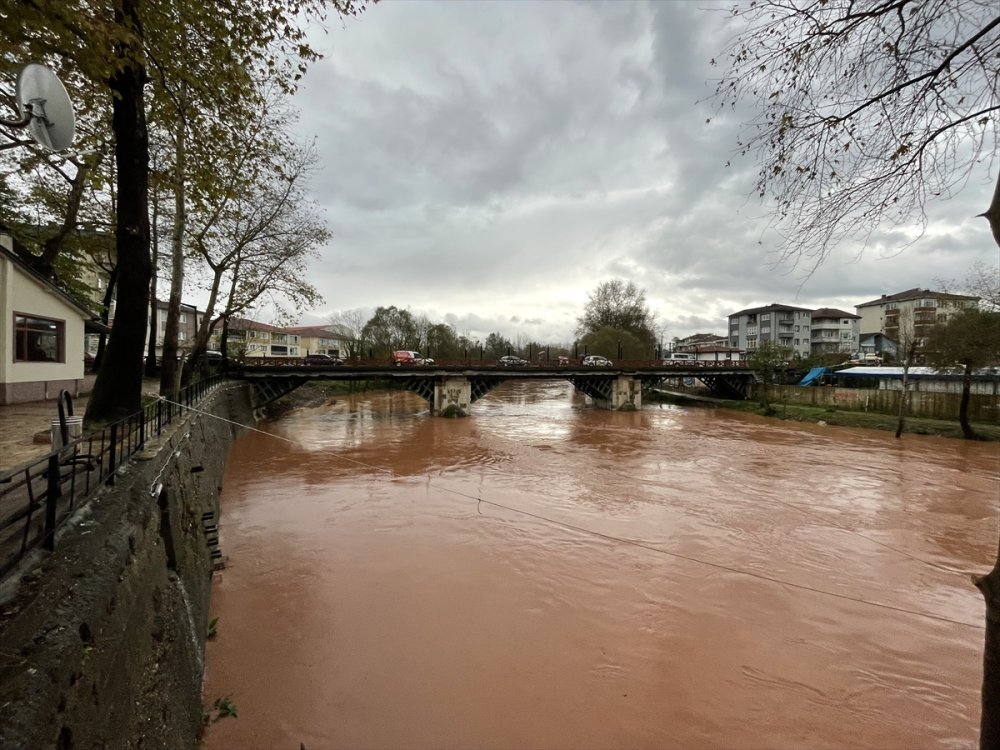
(670, 357)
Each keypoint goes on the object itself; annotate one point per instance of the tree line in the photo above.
(616, 322)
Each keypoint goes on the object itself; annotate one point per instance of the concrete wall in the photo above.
(102, 641)
(935, 405)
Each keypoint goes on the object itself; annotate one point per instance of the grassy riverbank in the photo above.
(830, 415)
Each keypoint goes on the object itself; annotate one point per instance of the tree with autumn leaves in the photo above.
(163, 69)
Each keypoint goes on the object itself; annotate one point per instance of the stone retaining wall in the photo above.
(102, 641)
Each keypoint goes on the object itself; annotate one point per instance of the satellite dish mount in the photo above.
(45, 108)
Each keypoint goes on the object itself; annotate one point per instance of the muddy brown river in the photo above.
(547, 575)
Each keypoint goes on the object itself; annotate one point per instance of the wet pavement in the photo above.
(24, 428)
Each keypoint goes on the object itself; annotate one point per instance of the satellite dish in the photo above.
(45, 107)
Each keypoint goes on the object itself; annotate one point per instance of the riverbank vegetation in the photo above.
(833, 416)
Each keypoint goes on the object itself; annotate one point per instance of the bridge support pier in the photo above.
(452, 397)
(625, 394)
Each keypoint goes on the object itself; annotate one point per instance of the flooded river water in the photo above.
(547, 575)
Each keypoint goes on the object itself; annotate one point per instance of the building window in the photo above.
(279, 351)
(184, 318)
(890, 306)
(765, 316)
(39, 339)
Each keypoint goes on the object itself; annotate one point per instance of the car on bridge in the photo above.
(596, 360)
(408, 357)
(511, 360)
(323, 360)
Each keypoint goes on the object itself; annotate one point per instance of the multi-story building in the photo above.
(833, 330)
(329, 339)
(187, 327)
(253, 339)
(786, 326)
(708, 347)
(909, 316)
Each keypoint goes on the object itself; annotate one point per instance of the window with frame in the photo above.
(39, 339)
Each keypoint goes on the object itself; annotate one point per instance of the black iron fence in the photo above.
(38, 497)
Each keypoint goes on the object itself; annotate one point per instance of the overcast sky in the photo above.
(489, 163)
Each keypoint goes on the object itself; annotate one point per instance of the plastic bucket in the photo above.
(74, 426)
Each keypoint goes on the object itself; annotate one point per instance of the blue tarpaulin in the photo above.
(813, 375)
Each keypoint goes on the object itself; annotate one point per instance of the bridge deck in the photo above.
(350, 371)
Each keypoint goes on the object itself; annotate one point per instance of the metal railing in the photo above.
(36, 498)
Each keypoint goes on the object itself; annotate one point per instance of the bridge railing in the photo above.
(381, 363)
(38, 497)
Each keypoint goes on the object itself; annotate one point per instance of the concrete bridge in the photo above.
(452, 387)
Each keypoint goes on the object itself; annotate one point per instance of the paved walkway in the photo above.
(24, 428)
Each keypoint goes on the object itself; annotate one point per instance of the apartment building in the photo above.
(187, 327)
(910, 314)
(785, 325)
(329, 339)
(834, 331)
(252, 339)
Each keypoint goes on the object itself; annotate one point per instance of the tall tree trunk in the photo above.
(901, 422)
(963, 405)
(150, 369)
(205, 328)
(168, 372)
(989, 725)
(909, 353)
(224, 340)
(109, 295)
(118, 388)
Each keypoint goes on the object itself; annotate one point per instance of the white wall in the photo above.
(24, 294)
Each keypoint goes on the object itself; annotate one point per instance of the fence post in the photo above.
(52, 493)
(113, 453)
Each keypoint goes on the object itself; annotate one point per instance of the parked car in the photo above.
(408, 357)
(212, 358)
(596, 360)
(511, 360)
(323, 360)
